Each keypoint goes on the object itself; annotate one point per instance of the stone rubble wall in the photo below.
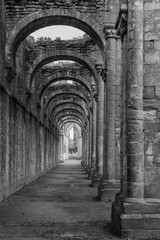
(17, 10)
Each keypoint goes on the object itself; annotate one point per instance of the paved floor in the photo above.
(60, 205)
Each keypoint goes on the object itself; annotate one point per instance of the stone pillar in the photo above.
(90, 173)
(109, 186)
(94, 127)
(100, 130)
(85, 153)
(87, 135)
(83, 145)
(61, 147)
(89, 142)
(134, 216)
(118, 106)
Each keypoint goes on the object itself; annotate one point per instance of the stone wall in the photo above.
(19, 9)
(84, 46)
(2, 42)
(152, 98)
(27, 148)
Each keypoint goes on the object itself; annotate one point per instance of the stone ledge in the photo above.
(136, 226)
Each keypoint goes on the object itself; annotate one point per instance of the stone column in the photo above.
(83, 146)
(61, 147)
(109, 186)
(84, 149)
(90, 173)
(89, 142)
(100, 130)
(132, 215)
(94, 133)
(94, 127)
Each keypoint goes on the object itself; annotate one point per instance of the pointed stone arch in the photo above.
(69, 119)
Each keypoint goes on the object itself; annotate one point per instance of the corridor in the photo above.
(59, 205)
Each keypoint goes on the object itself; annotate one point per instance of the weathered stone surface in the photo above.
(115, 91)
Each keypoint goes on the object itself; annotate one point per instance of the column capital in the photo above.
(39, 106)
(110, 33)
(91, 109)
(89, 98)
(94, 90)
(29, 95)
(10, 72)
(101, 70)
(93, 87)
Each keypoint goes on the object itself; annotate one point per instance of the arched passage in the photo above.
(75, 100)
(47, 82)
(63, 105)
(51, 56)
(65, 119)
(69, 121)
(69, 110)
(50, 17)
(69, 114)
(64, 93)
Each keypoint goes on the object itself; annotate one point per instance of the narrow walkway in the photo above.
(60, 205)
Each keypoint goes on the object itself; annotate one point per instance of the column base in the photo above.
(61, 161)
(82, 163)
(85, 166)
(96, 179)
(137, 219)
(107, 190)
(90, 173)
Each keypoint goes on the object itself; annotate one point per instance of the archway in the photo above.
(50, 17)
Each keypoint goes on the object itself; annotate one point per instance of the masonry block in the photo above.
(149, 92)
(136, 226)
(156, 234)
(142, 234)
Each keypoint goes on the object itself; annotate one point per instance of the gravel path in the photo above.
(60, 205)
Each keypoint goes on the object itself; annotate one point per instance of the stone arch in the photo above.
(60, 93)
(57, 55)
(68, 100)
(61, 104)
(70, 110)
(48, 17)
(69, 119)
(74, 127)
(61, 77)
(72, 115)
(71, 106)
